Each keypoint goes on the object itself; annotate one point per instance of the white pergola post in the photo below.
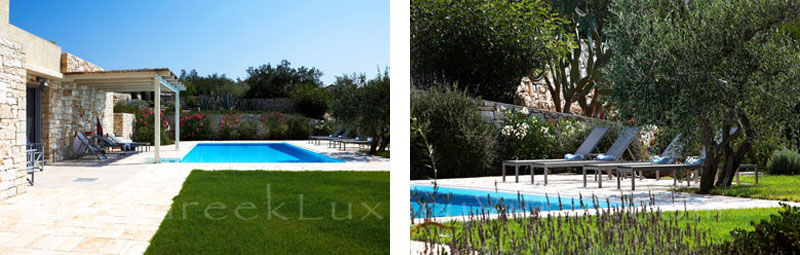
(157, 114)
(177, 120)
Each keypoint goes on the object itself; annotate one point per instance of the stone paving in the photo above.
(118, 205)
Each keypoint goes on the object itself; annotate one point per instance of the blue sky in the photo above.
(224, 37)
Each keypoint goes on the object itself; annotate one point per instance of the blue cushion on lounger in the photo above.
(330, 135)
(604, 157)
(660, 159)
(573, 156)
(695, 161)
(340, 136)
(358, 138)
(369, 139)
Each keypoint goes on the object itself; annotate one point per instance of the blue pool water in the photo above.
(462, 201)
(253, 153)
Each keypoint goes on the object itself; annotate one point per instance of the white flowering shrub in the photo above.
(524, 136)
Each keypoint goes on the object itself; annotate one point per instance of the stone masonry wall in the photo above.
(12, 119)
(123, 125)
(71, 63)
(67, 108)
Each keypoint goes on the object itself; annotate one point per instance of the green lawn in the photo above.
(777, 187)
(204, 218)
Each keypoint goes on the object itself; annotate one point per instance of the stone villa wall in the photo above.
(71, 63)
(67, 108)
(123, 125)
(12, 119)
(536, 95)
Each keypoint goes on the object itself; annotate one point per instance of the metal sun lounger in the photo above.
(586, 148)
(91, 147)
(673, 150)
(316, 138)
(619, 146)
(133, 145)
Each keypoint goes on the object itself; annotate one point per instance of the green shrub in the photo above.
(275, 123)
(322, 128)
(309, 100)
(298, 128)
(525, 137)
(195, 127)
(248, 130)
(570, 134)
(229, 127)
(124, 108)
(144, 130)
(463, 143)
(779, 235)
(784, 161)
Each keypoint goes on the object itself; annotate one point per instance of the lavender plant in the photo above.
(625, 229)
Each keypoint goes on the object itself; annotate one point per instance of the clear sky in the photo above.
(222, 36)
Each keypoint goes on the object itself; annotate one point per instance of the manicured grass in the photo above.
(777, 187)
(204, 218)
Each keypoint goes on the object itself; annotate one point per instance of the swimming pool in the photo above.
(462, 201)
(253, 153)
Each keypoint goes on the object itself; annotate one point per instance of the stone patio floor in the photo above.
(120, 204)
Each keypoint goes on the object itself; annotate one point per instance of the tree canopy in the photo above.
(267, 81)
(486, 46)
(363, 103)
(212, 84)
(704, 66)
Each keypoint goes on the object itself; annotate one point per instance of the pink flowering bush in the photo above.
(231, 127)
(195, 127)
(144, 130)
(275, 123)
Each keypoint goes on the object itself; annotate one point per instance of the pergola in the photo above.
(138, 80)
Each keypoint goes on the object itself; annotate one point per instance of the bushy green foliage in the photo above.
(123, 108)
(359, 102)
(322, 128)
(267, 81)
(209, 85)
(569, 134)
(275, 123)
(298, 128)
(309, 100)
(484, 46)
(248, 130)
(525, 137)
(778, 235)
(144, 131)
(463, 144)
(784, 162)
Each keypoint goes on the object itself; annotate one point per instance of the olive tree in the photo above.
(363, 103)
(703, 67)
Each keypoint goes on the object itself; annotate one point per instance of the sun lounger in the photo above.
(131, 145)
(317, 138)
(585, 149)
(343, 142)
(619, 147)
(89, 147)
(672, 151)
